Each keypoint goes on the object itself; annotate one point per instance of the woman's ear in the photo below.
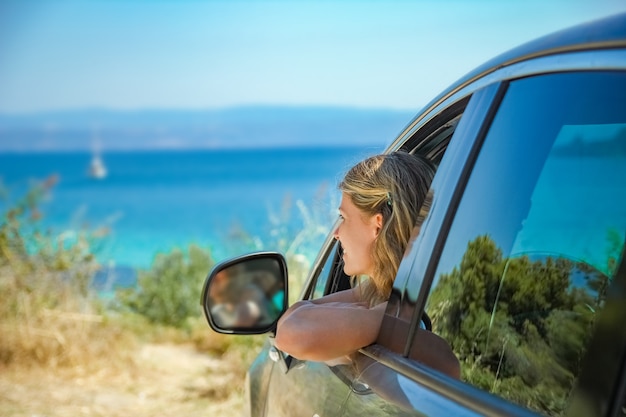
(377, 221)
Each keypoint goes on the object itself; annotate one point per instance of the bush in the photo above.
(169, 292)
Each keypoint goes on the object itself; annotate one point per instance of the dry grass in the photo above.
(49, 321)
(63, 354)
(73, 360)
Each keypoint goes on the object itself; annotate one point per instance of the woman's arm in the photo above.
(345, 296)
(321, 331)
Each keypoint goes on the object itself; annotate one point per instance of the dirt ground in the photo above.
(164, 380)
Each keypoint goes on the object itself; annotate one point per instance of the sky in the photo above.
(132, 54)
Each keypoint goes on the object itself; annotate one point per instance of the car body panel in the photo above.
(258, 379)
(308, 388)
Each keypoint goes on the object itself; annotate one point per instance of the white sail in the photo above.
(97, 169)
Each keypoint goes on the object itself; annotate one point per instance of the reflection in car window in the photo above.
(536, 238)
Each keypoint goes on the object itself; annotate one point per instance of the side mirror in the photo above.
(247, 294)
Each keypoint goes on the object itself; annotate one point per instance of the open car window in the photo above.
(430, 141)
(331, 278)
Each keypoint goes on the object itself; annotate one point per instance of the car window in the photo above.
(430, 141)
(536, 238)
(331, 277)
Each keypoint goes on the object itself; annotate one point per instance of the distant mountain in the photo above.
(238, 127)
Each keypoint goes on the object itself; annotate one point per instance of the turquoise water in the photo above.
(152, 202)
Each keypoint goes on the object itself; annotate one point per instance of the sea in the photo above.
(232, 202)
(229, 202)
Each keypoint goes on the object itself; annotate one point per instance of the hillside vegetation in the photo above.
(147, 351)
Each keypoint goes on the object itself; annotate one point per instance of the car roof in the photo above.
(605, 33)
(602, 34)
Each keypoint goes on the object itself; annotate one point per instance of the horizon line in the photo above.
(255, 147)
(7, 112)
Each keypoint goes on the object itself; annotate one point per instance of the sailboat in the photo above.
(97, 170)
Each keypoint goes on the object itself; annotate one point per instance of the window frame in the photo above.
(602, 383)
(406, 306)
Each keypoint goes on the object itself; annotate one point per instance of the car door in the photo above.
(383, 385)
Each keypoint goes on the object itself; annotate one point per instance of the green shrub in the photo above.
(169, 292)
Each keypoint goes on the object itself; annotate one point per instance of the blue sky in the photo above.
(208, 54)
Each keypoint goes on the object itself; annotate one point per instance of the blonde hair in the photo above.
(395, 185)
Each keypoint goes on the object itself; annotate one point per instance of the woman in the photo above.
(381, 199)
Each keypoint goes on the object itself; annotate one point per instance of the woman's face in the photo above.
(357, 232)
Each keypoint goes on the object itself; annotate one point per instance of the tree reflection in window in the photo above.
(519, 325)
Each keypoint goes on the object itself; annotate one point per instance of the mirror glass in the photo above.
(248, 295)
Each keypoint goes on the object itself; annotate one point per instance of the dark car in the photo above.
(519, 264)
